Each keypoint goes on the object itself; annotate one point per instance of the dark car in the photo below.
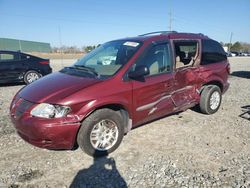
(119, 86)
(21, 67)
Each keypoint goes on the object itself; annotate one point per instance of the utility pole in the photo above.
(230, 43)
(170, 16)
(20, 46)
(170, 20)
(60, 41)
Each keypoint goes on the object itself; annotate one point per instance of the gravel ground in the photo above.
(183, 150)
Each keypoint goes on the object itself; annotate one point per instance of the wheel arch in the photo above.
(113, 106)
(32, 69)
(116, 107)
(213, 82)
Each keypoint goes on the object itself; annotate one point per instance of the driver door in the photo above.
(152, 94)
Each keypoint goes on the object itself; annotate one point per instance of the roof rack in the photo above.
(158, 32)
(201, 34)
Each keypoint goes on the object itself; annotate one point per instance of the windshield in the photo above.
(107, 59)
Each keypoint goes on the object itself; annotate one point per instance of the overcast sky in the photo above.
(85, 22)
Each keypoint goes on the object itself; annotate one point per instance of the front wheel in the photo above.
(210, 99)
(31, 76)
(101, 133)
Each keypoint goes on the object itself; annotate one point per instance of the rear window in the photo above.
(212, 52)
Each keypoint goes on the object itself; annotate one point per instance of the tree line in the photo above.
(238, 46)
(73, 49)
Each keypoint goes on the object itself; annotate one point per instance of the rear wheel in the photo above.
(210, 99)
(31, 76)
(101, 133)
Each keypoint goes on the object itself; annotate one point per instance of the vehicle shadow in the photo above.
(246, 112)
(102, 173)
(12, 84)
(241, 74)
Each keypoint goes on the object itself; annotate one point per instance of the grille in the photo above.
(22, 107)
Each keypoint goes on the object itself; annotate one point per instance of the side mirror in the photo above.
(139, 72)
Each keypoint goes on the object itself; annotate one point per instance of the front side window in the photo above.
(106, 60)
(157, 60)
(212, 52)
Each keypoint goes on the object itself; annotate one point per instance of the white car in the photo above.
(233, 54)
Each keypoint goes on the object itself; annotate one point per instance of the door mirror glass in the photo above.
(139, 72)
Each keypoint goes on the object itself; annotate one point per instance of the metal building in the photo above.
(24, 45)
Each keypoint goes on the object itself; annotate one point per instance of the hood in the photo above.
(55, 87)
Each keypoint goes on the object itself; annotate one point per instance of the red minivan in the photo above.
(118, 86)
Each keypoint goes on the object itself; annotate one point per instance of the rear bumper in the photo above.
(45, 134)
(46, 71)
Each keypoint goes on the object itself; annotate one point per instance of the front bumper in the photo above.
(47, 135)
(57, 133)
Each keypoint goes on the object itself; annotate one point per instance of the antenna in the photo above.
(230, 43)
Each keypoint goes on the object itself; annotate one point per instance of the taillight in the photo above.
(44, 62)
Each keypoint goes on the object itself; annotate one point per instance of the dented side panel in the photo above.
(187, 81)
(152, 98)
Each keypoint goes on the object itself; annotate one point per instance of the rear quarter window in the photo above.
(9, 57)
(6, 57)
(212, 52)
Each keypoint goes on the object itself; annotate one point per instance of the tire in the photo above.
(210, 99)
(91, 126)
(31, 76)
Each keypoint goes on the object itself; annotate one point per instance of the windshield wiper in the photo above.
(85, 68)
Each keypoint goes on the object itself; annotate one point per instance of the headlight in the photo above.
(45, 110)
